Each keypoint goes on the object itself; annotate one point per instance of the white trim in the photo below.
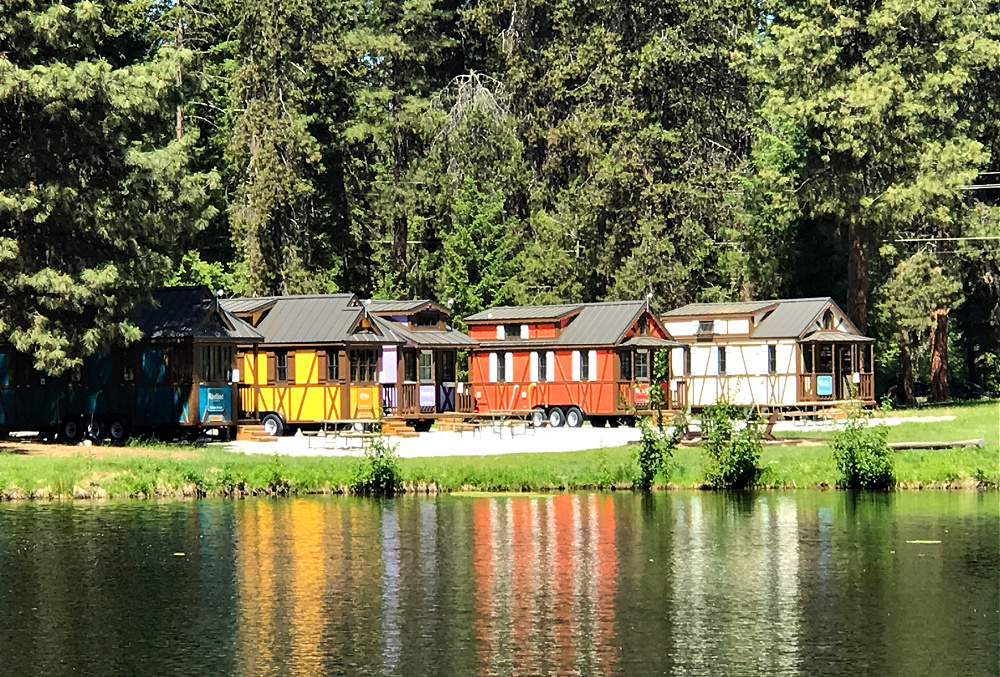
(550, 366)
(493, 367)
(508, 366)
(524, 332)
(501, 334)
(593, 375)
(576, 364)
(533, 367)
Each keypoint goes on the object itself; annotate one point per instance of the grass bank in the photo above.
(143, 472)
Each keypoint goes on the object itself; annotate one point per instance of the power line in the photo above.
(946, 239)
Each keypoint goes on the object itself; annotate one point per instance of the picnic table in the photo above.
(498, 421)
(344, 429)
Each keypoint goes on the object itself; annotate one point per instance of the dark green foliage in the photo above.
(656, 448)
(378, 475)
(863, 457)
(732, 444)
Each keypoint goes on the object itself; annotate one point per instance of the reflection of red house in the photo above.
(567, 363)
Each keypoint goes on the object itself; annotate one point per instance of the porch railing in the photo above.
(844, 390)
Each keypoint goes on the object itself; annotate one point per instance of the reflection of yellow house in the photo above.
(320, 360)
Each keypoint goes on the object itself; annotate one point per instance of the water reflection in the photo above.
(679, 583)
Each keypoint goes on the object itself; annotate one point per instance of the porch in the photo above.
(427, 399)
(836, 368)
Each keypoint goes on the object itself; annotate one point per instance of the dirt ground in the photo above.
(36, 447)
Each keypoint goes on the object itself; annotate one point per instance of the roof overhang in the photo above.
(835, 337)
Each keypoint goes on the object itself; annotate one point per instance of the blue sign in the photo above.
(824, 386)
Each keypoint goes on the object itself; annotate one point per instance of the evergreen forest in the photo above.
(490, 152)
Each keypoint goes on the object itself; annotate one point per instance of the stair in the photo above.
(395, 427)
(253, 433)
(453, 424)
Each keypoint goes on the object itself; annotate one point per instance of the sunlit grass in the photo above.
(213, 471)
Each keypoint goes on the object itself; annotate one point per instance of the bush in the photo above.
(655, 447)
(732, 453)
(378, 475)
(863, 456)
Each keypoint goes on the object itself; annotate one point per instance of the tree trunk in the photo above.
(400, 232)
(906, 366)
(179, 130)
(857, 277)
(939, 355)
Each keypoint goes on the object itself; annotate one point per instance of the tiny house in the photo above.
(786, 353)
(177, 380)
(320, 360)
(568, 363)
(419, 376)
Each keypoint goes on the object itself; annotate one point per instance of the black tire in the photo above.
(95, 429)
(629, 421)
(574, 417)
(614, 421)
(71, 430)
(118, 430)
(273, 425)
(556, 417)
(423, 426)
(538, 417)
(598, 421)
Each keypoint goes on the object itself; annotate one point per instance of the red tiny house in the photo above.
(567, 363)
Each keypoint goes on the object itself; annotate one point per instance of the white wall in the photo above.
(746, 379)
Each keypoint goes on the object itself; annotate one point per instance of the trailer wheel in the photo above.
(598, 421)
(538, 417)
(273, 425)
(118, 431)
(556, 417)
(95, 429)
(574, 417)
(72, 431)
(614, 421)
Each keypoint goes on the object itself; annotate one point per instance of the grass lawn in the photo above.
(146, 471)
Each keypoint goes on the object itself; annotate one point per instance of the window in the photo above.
(447, 365)
(332, 365)
(425, 320)
(722, 359)
(687, 361)
(543, 366)
(642, 327)
(824, 359)
(364, 366)
(626, 366)
(807, 359)
(772, 359)
(409, 365)
(706, 326)
(426, 366)
(512, 331)
(584, 365)
(216, 365)
(501, 368)
(641, 365)
(281, 366)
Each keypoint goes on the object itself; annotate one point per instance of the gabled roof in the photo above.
(402, 307)
(715, 309)
(428, 338)
(319, 318)
(792, 318)
(524, 313)
(593, 324)
(191, 312)
(785, 318)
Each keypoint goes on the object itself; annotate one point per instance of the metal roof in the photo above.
(427, 338)
(601, 324)
(595, 324)
(713, 309)
(791, 319)
(191, 312)
(520, 313)
(326, 318)
(835, 337)
(389, 306)
(651, 342)
(248, 305)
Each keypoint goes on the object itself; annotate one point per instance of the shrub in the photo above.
(732, 452)
(378, 475)
(655, 448)
(863, 456)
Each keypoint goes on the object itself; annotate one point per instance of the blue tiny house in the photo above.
(178, 380)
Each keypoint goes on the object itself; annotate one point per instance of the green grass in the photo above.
(211, 471)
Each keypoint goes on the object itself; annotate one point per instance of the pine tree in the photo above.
(95, 190)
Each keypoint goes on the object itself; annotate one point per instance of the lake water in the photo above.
(671, 583)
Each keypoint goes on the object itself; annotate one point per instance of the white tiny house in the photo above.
(785, 353)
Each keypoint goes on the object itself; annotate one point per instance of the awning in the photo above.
(650, 342)
(835, 337)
